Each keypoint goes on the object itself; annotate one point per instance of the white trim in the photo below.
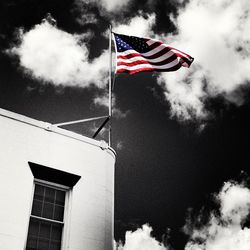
(51, 184)
(46, 219)
(67, 221)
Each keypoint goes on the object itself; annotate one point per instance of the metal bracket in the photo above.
(100, 128)
(79, 121)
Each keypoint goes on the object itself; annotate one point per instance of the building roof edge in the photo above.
(52, 128)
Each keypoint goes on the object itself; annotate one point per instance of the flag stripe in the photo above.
(138, 60)
(129, 71)
(147, 65)
(157, 49)
(123, 55)
(141, 57)
(155, 45)
(181, 52)
(151, 41)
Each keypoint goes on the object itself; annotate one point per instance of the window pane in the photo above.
(34, 227)
(39, 192)
(48, 210)
(55, 245)
(59, 211)
(31, 243)
(45, 229)
(50, 195)
(60, 197)
(43, 244)
(37, 208)
(56, 232)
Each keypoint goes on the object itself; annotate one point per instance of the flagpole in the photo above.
(110, 83)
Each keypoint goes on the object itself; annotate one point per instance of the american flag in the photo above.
(135, 54)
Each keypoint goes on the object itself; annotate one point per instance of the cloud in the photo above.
(103, 100)
(140, 239)
(225, 231)
(235, 203)
(113, 5)
(119, 145)
(49, 54)
(84, 13)
(187, 100)
(140, 25)
(108, 5)
(52, 55)
(216, 34)
(225, 228)
(87, 18)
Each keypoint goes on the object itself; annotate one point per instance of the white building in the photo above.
(56, 187)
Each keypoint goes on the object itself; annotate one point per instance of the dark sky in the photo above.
(164, 166)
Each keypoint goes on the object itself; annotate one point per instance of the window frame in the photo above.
(67, 210)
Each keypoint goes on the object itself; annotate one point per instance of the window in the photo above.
(46, 220)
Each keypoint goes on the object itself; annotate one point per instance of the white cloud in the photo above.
(87, 18)
(216, 34)
(140, 25)
(113, 5)
(186, 99)
(225, 232)
(83, 13)
(108, 5)
(103, 100)
(52, 55)
(49, 54)
(140, 239)
(235, 203)
(119, 145)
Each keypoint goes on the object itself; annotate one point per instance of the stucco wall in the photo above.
(89, 225)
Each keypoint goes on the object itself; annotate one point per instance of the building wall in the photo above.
(89, 224)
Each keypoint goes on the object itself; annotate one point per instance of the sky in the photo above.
(182, 138)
